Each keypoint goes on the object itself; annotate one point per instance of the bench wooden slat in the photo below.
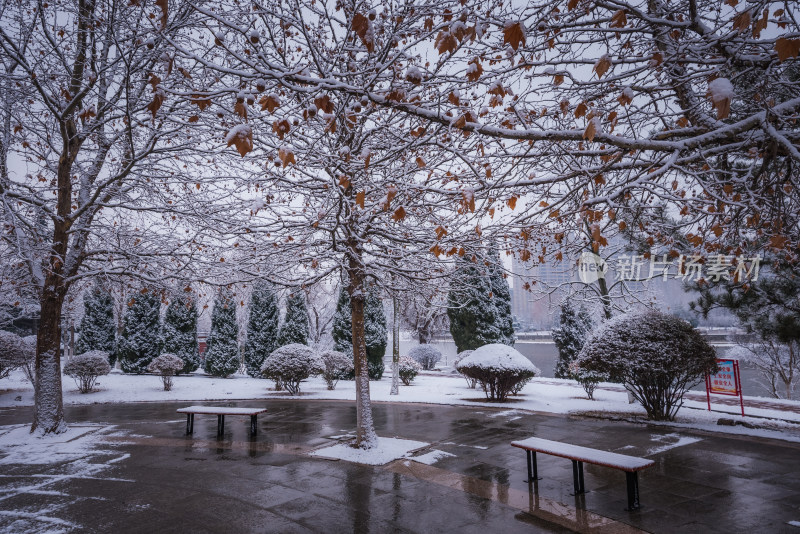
(584, 454)
(221, 410)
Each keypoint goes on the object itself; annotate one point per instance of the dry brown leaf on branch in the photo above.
(202, 101)
(441, 231)
(241, 137)
(514, 34)
(591, 130)
(360, 197)
(581, 110)
(186, 73)
(445, 42)
(399, 214)
(324, 103)
(281, 128)
(453, 99)
(602, 65)
(512, 202)
(240, 108)
(286, 156)
(741, 22)
(420, 162)
(474, 70)
(572, 4)
(164, 11)
(158, 99)
(269, 103)
(761, 24)
(361, 26)
(787, 48)
(619, 19)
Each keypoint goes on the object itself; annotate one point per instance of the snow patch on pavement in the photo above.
(387, 450)
(432, 457)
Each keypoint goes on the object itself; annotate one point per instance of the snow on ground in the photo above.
(387, 450)
(430, 458)
(546, 395)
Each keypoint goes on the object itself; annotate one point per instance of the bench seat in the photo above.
(580, 455)
(221, 412)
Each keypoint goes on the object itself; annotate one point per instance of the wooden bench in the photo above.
(630, 464)
(221, 412)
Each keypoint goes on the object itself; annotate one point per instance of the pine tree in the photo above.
(478, 304)
(376, 335)
(262, 327)
(342, 324)
(97, 329)
(569, 337)
(179, 333)
(222, 353)
(140, 341)
(501, 295)
(295, 321)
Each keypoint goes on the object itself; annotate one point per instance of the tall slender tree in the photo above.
(376, 335)
(140, 341)
(295, 321)
(179, 332)
(262, 327)
(570, 335)
(222, 352)
(98, 330)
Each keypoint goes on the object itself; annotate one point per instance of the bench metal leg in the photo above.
(633, 490)
(533, 473)
(577, 477)
(253, 426)
(220, 425)
(189, 423)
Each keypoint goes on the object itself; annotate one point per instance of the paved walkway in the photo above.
(147, 476)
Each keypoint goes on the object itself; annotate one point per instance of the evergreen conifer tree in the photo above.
(342, 324)
(376, 335)
(179, 333)
(222, 353)
(97, 329)
(295, 321)
(262, 327)
(478, 304)
(501, 296)
(140, 341)
(573, 330)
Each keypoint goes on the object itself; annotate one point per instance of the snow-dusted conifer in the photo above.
(501, 297)
(342, 323)
(376, 335)
(474, 318)
(179, 333)
(295, 322)
(98, 330)
(262, 327)
(222, 354)
(140, 341)
(574, 327)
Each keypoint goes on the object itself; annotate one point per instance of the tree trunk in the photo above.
(395, 390)
(49, 407)
(365, 428)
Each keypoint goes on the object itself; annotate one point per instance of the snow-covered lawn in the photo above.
(547, 395)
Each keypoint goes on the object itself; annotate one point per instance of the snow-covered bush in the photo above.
(425, 355)
(498, 368)
(408, 370)
(29, 367)
(167, 365)
(471, 382)
(85, 368)
(658, 357)
(14, 353)
(588, 379)
(335, 365)
(292, 364)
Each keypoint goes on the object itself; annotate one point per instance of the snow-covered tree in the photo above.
(98, 329)
(426, 355)
(574, 328)
(222, 348)
(86, 368)
(657, 356)
(262, 327)
(408, 370)
(13, 352)
(479, 312)
(342, 323)
(179, 332)
(376, 336)
(140, 340)
(295, 321)
(336, 364)
(166, 365)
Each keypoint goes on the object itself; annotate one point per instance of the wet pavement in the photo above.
(150, 477)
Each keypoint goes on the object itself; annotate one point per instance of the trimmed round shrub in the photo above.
(167, 365)
(291, 364)
(498, 368)
(471, 382)
(425, 355)
(85, 368)
(335, 365)
(14, 353)
(657, 356)
(408, 370)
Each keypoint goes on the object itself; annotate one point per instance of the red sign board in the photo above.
(726, 381)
